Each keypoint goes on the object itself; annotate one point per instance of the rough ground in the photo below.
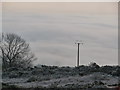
(82, 77)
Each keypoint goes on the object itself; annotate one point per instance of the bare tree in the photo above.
(15, 52)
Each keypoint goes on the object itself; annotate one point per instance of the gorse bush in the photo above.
(32, 79)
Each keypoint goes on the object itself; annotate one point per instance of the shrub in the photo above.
(93, 64)
(32, 79)
(7, 86)
(53, 85)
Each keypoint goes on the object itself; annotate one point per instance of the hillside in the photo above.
(82, 77)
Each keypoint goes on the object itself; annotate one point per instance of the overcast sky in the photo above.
(52, 29)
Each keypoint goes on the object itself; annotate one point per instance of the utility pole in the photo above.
(78, 53)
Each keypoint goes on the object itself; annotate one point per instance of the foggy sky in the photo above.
(52, 29)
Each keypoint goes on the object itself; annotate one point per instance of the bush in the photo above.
(54, 85)
(7, 86)
(13, 74)
(94, 65)
(107, 69)
(32, 79)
